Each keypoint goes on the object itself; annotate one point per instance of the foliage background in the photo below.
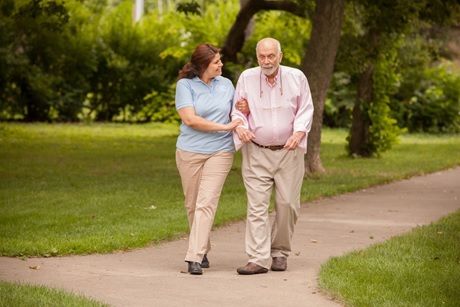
(86, 60)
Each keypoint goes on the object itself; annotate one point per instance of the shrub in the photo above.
(433, 104)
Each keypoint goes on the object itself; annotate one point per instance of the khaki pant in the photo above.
(202, 177)
(262, 170)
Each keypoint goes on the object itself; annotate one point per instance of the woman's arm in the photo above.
(196, 122)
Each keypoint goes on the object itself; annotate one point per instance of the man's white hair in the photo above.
(271, 40)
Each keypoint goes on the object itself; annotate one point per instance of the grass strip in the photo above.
(421, 268)
(13, 294)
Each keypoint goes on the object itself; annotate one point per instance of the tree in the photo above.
(236, 36)
(318, 66)
(383, 25)
(31, 52)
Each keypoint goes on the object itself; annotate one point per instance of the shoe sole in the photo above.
(252, 273)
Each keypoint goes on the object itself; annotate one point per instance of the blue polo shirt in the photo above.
(212, 102)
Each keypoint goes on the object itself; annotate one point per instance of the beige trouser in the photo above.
(262, 169)
(202, 177)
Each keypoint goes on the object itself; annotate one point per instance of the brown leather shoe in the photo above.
(251, 268)
(279, 264)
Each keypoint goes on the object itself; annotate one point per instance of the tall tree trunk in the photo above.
(36, 105)
(250, 26)
(318, 66)
(360, 122)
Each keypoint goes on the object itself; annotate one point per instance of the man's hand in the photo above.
(242, 106)
(244, 134)
(294, 140)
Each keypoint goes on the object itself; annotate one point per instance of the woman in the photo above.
(205, 147)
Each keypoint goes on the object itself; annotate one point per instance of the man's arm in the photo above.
(303, 118)
(294, 140)
(243, 129)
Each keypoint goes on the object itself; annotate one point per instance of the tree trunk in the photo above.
(36, 106)
(318, 66)
(250, 26)
(360, 122)
(359, 133)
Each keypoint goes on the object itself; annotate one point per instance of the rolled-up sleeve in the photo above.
(239, 94)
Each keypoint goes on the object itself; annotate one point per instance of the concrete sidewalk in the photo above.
(329, 227)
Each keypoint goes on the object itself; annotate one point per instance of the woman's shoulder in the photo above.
(188, 81)
(184, 82)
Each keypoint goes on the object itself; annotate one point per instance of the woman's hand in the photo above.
(242, 106)
(233, 124)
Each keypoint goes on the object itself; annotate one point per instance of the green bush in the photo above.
(85, 60)
(339, 103)
(433, 103)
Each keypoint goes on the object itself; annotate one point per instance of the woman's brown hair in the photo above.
(201, 57)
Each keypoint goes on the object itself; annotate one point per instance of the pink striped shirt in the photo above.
(276, 111)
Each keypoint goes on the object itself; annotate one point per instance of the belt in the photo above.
(271, 147)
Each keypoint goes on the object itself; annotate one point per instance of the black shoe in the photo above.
(194, 268)
(205, 262)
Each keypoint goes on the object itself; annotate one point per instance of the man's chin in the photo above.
(268, 71)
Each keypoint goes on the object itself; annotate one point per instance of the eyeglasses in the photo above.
(270, 57)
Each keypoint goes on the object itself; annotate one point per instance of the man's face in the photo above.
(269, 58)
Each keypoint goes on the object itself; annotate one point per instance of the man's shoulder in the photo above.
(292, 71)
(254, 71)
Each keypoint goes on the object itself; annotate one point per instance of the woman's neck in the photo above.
(206, 79)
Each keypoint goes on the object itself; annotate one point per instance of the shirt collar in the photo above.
(197, 79)
(275, 79)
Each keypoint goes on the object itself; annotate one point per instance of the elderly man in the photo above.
(273, 141)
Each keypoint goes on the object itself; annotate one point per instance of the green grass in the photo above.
(78, 189)
(12, 294)
(421, 268)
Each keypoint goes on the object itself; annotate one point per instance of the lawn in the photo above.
(13, 294)
(421, 268)
(79, 189)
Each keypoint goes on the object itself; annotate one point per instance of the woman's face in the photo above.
(214, 68)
